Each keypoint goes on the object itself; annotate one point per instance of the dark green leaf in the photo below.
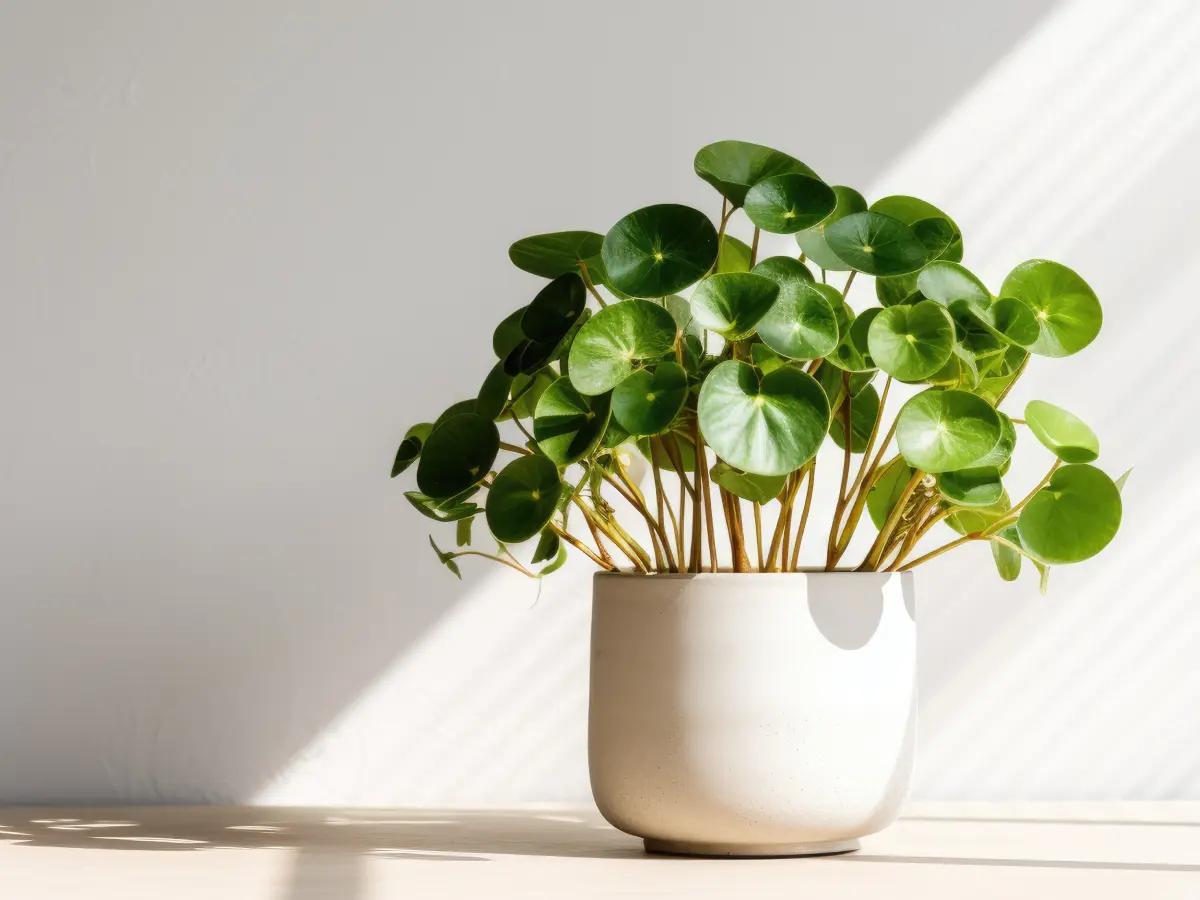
(731, 305)
(567, 425)
(410, 447)
(647, 402)
(785, 204)
(812, 240)
(606, 348)
(555, 309)
(551, 255)
(659, 250)
(876, 244)
(458, 454)
(523, 498)
(733, 167)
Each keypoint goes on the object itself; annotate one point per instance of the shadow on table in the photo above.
(333, 846)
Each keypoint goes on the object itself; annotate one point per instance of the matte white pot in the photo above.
(752, 715)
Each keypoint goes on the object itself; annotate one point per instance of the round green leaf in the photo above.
(898, 289)
(1007, 319)
(785, 204)
(946, 282)
(458, 454)
(975, 519)
(802, 323)
(783, 270)
(734, 256)
(771, 428)
(1000, 455)
(960, 371)
(940, 431)
(522, 499)
(853, 353)
(410, 448)
(647, 402)
(656, 451)
(812, 240)
(604, 352)
(864, 410)
(455, 409)
(911, 210)
(876, 244)
(733, 167)
(493, 396)
(659, 250)
(508, 334)
(528, 389)
(1065, 308)
(1008, 561)
(972, 487)
(555, 309)
(731, 305)
(568, 426)
(937, 235)
(886, 492)
(551, 255)
(755, 488)
(911, 342)
(1063, 434)
(1073, 517)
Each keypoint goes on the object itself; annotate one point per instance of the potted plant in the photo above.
(742, 704)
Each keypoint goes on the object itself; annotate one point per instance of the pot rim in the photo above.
(729, 573)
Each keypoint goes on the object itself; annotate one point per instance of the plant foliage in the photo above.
(663, 386)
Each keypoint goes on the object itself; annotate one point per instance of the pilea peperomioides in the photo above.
(667, 389)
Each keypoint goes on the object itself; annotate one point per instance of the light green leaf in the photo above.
(614, 339)
(979, 486)
(1073, 517)
(802, 323)
(771, 428)
(911, 342)
(1063, 434)
(941, 431)
(1064, 306)
(731, 305)
(885, 494)
(755, 488)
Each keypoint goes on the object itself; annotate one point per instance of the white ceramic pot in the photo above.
(752, 715)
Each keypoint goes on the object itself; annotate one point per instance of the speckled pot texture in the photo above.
(752, 715)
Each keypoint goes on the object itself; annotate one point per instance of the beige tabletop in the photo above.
(1147, 851)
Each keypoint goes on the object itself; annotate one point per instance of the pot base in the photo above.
(749, 851)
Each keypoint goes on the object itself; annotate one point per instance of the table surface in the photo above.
(1117, 850)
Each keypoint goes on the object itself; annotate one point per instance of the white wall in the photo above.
(236, 240)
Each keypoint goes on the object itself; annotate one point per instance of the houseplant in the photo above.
(742, 703)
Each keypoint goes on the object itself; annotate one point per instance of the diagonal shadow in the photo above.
(198, 583)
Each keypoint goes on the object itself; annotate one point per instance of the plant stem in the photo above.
(849, 281)
(581, 547)
(524, 430)
(1011, 515)
(939, 551)
(511, 563)
(864, 490)
(876, 552)
(587, 280)
(1016, 376)
(704, 484)
(635, 499)
(754, 247)
(758, 541)
(699, 495)
(513, 448)
(783, 526)
(848, 440)
(812, 477)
